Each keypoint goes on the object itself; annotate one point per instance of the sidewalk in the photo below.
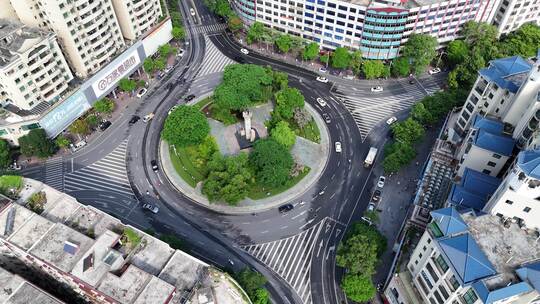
(248, 205)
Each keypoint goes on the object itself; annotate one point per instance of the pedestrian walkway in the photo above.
(368, 111)
(291, 258)
(209, 28)
(108, 174)
(54, 173)
(214, 61)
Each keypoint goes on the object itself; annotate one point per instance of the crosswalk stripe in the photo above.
(54, 173)
(214, 61)
(211, 28)
(108, 174)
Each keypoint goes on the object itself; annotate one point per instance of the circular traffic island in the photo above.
(252, 145)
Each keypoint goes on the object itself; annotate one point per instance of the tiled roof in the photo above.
(500, 70)
(529, 162)
(530, 273)
(474, 190)
(449, 221)
(490, 297)
(493, 142)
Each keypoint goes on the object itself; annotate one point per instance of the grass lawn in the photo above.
(310, 132)
(184, 167)
(201, 103)
(10, 182)
(257, 191)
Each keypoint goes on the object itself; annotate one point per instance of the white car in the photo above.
(377, 89)
(371, 207)
(322, 70)
(180, 53)
(152, 208)
(192, 12)
(244, 51)
(321, 102)
(391, 120)
(380, 183)
(148, 117)
(322, 79)
(434, 71)
(141, 92)
(338, 147)
(172, 109)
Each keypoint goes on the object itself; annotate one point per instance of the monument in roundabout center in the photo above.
(246, 136)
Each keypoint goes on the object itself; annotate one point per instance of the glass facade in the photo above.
(383, 30)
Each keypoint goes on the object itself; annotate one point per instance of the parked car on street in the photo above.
(152, 208)
(104, 125)
(190, 97)
(192, 11)
(371, 207)
(323, 70)
(381, 181)
(134, 119)
(141, 92)
(321, 102)
(376, 195)
(322, 79)
(434, 71)
(244, 51)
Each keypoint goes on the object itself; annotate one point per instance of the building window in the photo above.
(441, 263)
(443, 291)
(470, 296)
(424, 248)
(509, 202)
(491, 164)
(485, 171)
(453, 282)
(497, 156)
(526, 209)
(432, 272)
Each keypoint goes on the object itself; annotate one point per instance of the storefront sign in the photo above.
(116, 72)
(64, 114)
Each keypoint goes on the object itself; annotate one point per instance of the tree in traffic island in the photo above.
(185, 126)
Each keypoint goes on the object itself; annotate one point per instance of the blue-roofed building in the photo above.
(474, 190)
(486, 147)
(470, 257)
(518, 197)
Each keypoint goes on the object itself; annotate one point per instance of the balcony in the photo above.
(537, 115)
(533, 124)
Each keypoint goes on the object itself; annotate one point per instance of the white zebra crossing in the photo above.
(108, 174)
(290, 258)
(54, 173)
(214, 61)
(210, 29)
(368, 111)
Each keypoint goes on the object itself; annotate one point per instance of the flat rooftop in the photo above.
(16, 290)
(182, 271)
(125, 287)
(17, 38)
(506, 246)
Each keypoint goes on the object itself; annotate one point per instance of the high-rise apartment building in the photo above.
(136, 16)
(88, 30)
(511, 14)
(377, 27)
(32, 67)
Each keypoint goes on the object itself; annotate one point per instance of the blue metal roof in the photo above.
(466, 257)
(459, 196)
(500, 69)
(474, 190)
(530, 273)
(449, 221)
(493, 142)
(529, 162)
(491, 125)
(490, 297)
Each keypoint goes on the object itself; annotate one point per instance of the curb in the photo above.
(292, 193)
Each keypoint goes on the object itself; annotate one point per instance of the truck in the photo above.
(370, 158)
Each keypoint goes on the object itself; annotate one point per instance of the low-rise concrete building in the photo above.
(94, 254)
(17, 290)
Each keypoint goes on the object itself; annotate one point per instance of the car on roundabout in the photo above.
(152, 208)
(377, 89)
(285, 208)
(391, 120)
(321, 102)
(244, 51)
(326, 118)
(338, 147)
(148, 117)
(322, 79)
(172, 109)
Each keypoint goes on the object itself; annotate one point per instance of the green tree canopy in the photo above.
(280, 80)
(457, 51)
(310, 51)
(242, 86)
(252, 282)
(373, 69)
(185, 126)
(62, 141)
(324, 58)
(255, 32)
(283, 134)
(235, 23)
(178, 33)
(358, 287)
(165, 50)
(160, 64)
(80, 126)
(397, 155)
(5, 155)
(524, 42)
(481, 38)
(341, 58)
(287, 100)
(149, 65)
(228, 179)
(422, 115)
(284, 43)
(222, 8)
(401, 67)
(272, 162)
(356, 62)
(261, 296)
(408, 131)
(421, 49)
(301, 117)
(37, 143)
(127, 85)
(104, 105)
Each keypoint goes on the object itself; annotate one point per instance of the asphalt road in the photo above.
(95, 176)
